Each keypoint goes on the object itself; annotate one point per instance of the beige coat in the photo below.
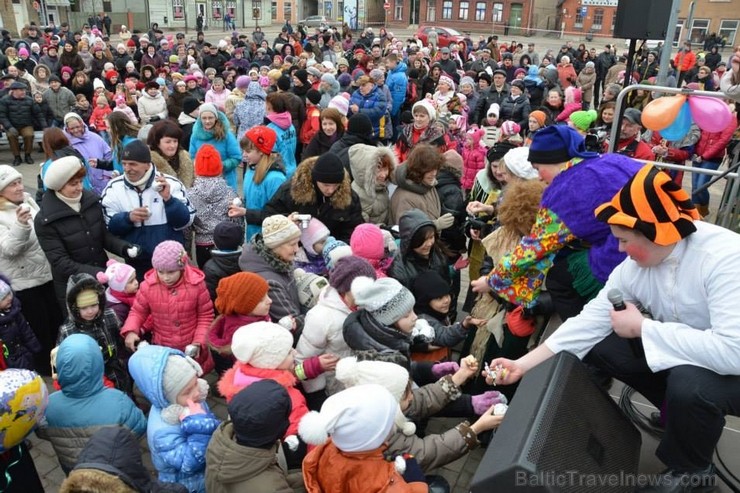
(410, 195)
(363, 161)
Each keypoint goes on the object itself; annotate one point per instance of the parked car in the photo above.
(446, 35)
(315, 21)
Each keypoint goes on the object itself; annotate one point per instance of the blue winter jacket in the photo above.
(257, 196)
(250, 112)
(287, 139)
(374, 105)
(397, 82)
(178, 451)
(228, 148)
(84, 403)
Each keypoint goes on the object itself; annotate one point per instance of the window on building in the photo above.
(107, 6)
(216, 9)
(614, 21)
(498, 12)
(432, 13)
(677, 34)
(287, 11)
(177, 9)
(728, 29)
(464, 7)
(274, 11)
(398, 10)
(480, 11)
(447, 10)
(598, 19)
(579, 19)
(699, 30)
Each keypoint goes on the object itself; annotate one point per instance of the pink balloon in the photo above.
(711, 114)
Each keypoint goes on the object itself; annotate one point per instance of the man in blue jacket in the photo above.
(396, 82)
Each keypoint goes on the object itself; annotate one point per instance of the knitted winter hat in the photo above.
(510, 128)
(467, 81)
(208, 161)
(189, 105)
(429, 285)
(360, 124)
(653, 204)
(340, 103)
(110, 74)
(301, 75)
(137, 151)
(334, 250)
(516, 162)
(178, 372)
(346, 269)
(517, 83)
(240, 293)
(367, 242)
(427, 106)
(60, 171)
(358, 419)
(583, 119)
(263, 138)
(494, 109)
(86, 297)
(242, 82)
(283, 83)
(228, 236)
(262, 344)
(278, 229)
(443, 79)
(386, 299)
(309, 286)
(116, 275)
(314, 233)
(519, 71)
(209, 108)
(557, 144)
(328, 169)
(131, 43)
(5, 289)
(260, 414)
(540, 116)
(169, 256)
(23, 52)
(8, 175)
(98, 84)
(313, 96)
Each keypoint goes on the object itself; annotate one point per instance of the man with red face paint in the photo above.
(684, 358)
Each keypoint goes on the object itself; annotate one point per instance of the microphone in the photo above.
(616, 299)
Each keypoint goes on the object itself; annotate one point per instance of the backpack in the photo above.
(311, 126)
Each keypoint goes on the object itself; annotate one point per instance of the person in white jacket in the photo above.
(322, 329)
(730, 81)
(684, 356)
(152, 105)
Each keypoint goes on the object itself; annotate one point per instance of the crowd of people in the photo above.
(295, 216)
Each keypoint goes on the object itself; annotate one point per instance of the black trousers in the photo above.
(695, 400)
(39, 307)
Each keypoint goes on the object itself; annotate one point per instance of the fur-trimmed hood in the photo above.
(363, 160)
(303, 188)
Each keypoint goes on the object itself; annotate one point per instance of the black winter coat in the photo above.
(19, 113)
(18, 337)
(449, 189)
(74, 242)
(516, 110)
(320, 144)
(486, 100)
(407, 264)
(220, 265)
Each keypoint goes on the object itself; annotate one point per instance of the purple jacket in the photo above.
(90, 145)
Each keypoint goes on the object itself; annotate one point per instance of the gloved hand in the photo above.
(444, 221)
(132, 251)
(447, 368)
(12, 132)
(292, 442)
(422, 331)
(484, 401)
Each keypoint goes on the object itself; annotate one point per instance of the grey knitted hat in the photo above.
(386, 299)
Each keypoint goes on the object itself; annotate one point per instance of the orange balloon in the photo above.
(660, 113)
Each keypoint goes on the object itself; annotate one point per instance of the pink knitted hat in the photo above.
(315, 232)
(169, 255)
(367, 242)
(116, 275)
(510, 128)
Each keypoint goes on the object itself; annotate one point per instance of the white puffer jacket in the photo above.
(322, 333)
(21, 258)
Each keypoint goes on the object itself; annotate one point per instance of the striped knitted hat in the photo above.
(386, 299)
(654, 205)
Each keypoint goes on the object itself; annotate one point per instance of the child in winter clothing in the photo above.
(82, 107)
(211, 197)
(122, 288)
(474, 158)
(492, 132)
(218, 93)
(312, 124)
(310, 257)
(456, 129)
(359, 420)
(174, 295)
(573, 102)
(84, 403)
(87, 314)
(228, 237)
(309, 286)
(44, 108)
(180, 423)
(19, 343)
(241, 299)
(334, 250)
(242, 455)
(99, 117)
(151, 105)
(122, 106)
(368, 242)
(510, 133)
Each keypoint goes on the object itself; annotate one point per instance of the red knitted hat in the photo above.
(208, 161)
(263, 138)
(240, 293)
(131, 43)
(110, 74)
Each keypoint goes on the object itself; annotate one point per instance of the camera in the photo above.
(595, 139)
(304, 219)
(474, 222)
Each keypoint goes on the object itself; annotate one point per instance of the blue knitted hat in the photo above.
(557, 144)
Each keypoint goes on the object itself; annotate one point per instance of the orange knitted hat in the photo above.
(240, 293)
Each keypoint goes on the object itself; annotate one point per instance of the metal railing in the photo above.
(728, 212)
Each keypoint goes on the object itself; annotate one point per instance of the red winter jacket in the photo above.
(180, 314)
(675, 155)
(712, 145)
(474, 159)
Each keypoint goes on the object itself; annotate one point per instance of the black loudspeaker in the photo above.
(562, 433)
(642, 19)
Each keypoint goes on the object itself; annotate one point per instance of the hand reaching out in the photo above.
(328, 361)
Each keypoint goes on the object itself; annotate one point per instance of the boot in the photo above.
(29, 159)
(17, 161)
(703, 209)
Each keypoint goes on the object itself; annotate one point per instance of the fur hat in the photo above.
(516, 162)
(240, 293)
(189, 104)
(263, 138)
(169, 255)
(358, 419)
(328, 169)
(228, 236)
(278, 230)
(334, 250)
(367, 242)
(208, 161)
(8, 175)
(386, 299)
(309, 286)
(178, 372)
(314, 233)
(346, 269)
(262, 344)
(60, 171)
(427, 106)
(137, 151)
(116, 275)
